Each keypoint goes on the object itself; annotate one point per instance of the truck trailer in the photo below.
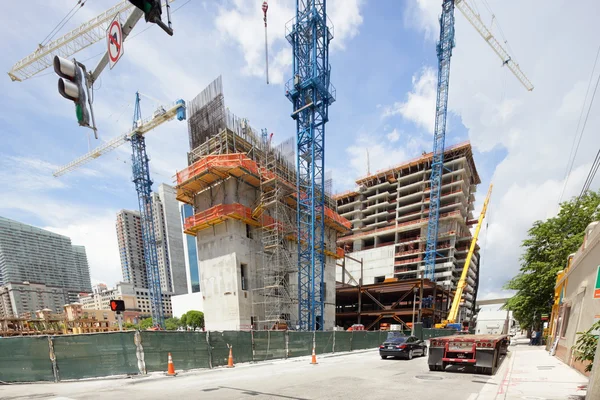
(481, 351)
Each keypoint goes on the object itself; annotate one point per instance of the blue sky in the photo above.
(384, 69)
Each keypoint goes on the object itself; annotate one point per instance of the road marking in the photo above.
(472, 396)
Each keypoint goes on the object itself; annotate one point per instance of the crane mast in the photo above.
(444, 54)
(311, 93)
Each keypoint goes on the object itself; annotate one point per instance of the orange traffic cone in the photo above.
(171, 369)
(314, 357)
(230, 359)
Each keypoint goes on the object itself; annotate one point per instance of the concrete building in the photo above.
(34, 260)
(243, 194)
(136, 300)
(190, 248)
(169, 241)
(389, 211)
(577, 298)
(131, 248)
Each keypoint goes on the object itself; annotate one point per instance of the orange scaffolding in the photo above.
(211, 169)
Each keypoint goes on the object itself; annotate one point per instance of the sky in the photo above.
(384, 69)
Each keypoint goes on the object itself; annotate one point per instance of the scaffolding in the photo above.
(275, 300)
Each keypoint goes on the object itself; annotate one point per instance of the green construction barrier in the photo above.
(373, 339)
(25, 359)
(323, 342)
(343, 341)
(189, 350)
(220, 342)
(94, 355)
(359, 340)
(269, 345)
(300, 344)
(429, 333)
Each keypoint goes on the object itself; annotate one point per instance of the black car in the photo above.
(397, 345)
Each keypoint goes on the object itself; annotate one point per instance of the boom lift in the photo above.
(453, 314)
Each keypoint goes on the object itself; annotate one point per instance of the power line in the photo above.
(573, 155)
(61, 24)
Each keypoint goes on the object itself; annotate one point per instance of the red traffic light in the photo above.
(117, 305)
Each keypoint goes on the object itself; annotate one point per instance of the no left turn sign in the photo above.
(114, 41)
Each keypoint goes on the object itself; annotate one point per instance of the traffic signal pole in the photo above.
(134, 17)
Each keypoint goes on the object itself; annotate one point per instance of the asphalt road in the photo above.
(358, 375)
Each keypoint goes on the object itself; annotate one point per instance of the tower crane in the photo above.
(311, 93)
(143, 185)
(444, 53)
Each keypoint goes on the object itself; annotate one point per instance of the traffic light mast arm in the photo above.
(463, 277)
(134, 17)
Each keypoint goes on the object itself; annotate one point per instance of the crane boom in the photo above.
(453, 314)
(487, 35)
(72, 42)
(76, 40)
(160, 116)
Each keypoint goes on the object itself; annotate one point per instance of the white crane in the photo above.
(76, 40)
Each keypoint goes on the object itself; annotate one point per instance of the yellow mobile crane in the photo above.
(453, 314)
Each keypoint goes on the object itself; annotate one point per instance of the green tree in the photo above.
(171, 324)
(194, 319)
(546, 249)
(585, 347)
(146, 323)
(129, 325)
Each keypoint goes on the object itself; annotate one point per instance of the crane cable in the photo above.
(61, 24)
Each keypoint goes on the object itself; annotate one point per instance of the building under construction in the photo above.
(243, 191)
(389, 211)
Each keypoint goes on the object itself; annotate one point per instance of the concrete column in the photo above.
(593, 391)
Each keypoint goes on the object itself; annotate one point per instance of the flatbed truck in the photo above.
(481, 351)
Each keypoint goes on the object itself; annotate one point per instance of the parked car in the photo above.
(398, 345)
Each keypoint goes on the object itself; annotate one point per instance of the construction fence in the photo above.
(66, 357)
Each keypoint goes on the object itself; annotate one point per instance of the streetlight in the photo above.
(415, 290)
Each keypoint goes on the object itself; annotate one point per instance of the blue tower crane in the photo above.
(311, 93)
(143, 186)
(444, 53)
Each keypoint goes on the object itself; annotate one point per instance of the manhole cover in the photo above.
(429, 377)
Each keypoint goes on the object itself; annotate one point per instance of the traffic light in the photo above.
(117, 305)
(152, 13)
(71, 85)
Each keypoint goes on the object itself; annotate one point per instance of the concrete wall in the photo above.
(579, 307)
(377, 262)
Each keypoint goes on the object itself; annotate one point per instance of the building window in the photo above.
(244, 276)
(379, 279)
(248, 232)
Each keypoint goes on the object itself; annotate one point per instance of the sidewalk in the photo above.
(531, 373)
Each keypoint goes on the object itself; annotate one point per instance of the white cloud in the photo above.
(393, 136)
(419, 106)
(242, 22)
(534, 129)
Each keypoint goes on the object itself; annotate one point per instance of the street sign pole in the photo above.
(120, 320)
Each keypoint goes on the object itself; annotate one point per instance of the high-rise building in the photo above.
(169, 241)
(191, 253)
(131, 248)
(389, 210)
(45, 261)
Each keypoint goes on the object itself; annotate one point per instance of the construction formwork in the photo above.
(235, 176)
